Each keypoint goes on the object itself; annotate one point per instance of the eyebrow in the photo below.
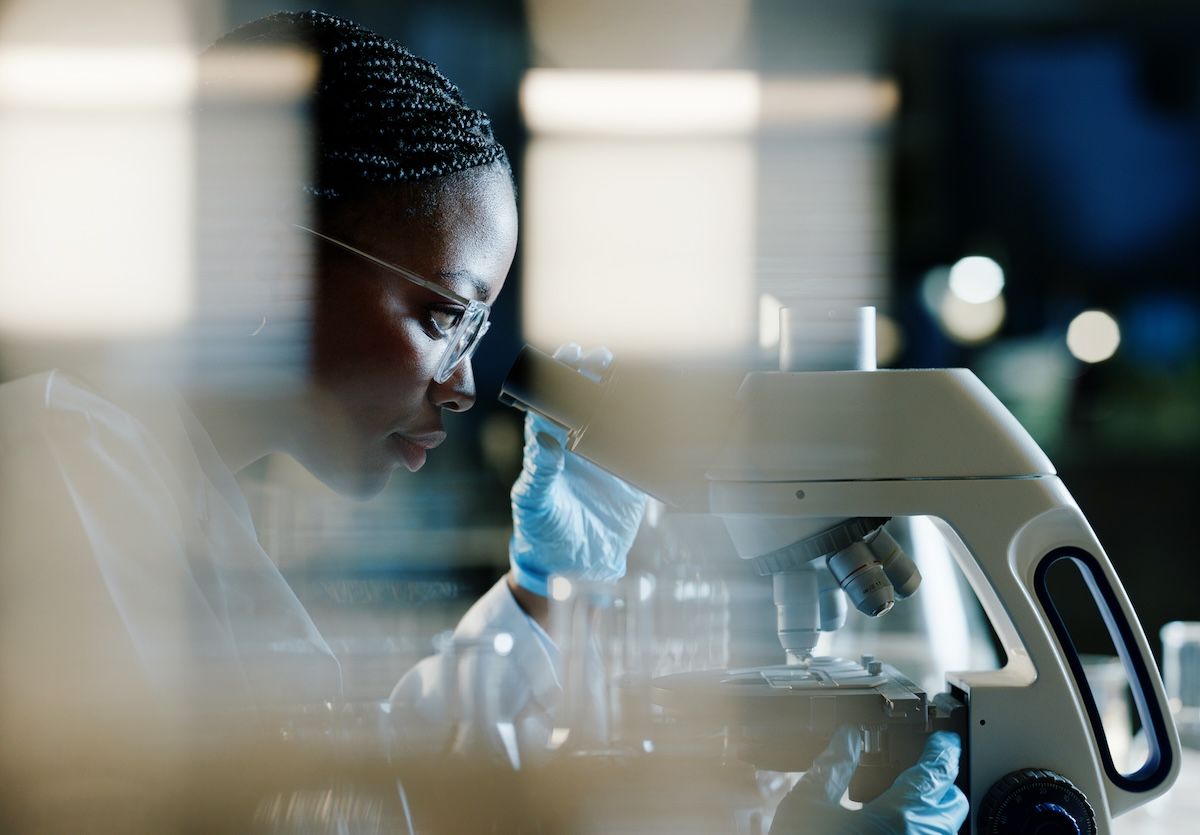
(477, 284)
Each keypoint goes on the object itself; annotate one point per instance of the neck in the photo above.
(246, 428)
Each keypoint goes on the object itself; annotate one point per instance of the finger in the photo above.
(570, 353)
(831, 771)
(621, 497)
(538, 424)
(953, 808)
(543, 458)
(595, 362)
(935, 771)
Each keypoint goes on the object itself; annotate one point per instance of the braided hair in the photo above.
(381, 114)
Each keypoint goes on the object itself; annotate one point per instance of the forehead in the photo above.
(459, 230)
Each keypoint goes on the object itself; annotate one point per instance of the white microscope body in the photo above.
(938, 443)
(792, 455)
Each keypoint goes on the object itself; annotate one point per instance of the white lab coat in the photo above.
(132, 583)
(130, 567)
(493, 690)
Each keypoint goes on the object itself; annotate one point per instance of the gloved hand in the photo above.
(922, 801)
(569, 516)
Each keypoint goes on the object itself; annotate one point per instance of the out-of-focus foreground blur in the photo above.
(1013, 185)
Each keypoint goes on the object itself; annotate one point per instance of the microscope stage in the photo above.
(754, 693)
(780, 717)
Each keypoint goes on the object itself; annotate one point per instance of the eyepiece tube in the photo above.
(539, 383)
(657, 427)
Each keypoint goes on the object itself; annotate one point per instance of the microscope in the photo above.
(810, 471)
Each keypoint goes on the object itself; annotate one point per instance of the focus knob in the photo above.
(1034, 801)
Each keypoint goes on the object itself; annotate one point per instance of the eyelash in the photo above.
(435, 330)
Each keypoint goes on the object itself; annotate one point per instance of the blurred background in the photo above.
(1014, 185)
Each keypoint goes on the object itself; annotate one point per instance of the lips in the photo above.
(412, 448)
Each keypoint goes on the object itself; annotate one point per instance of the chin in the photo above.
(356, 471)
(365, 484)
(361, 483)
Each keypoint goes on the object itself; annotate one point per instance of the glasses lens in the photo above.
(463, 341)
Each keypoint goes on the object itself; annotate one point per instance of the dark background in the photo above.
(1068, 146)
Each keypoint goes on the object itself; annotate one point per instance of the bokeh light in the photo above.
(560, 588)
(1093, 336)
(503, 643)
(889, 340)
(971, 324)
(976, 279)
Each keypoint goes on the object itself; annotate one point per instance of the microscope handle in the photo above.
(1143, 679)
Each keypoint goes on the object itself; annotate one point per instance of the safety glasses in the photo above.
(464, 334)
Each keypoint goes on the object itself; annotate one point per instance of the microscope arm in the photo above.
(1036, 711)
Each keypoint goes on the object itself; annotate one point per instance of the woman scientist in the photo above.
(133, 581)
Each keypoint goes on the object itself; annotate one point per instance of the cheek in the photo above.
(415, 355)
(393, 361)
(361, 337)
(377, 375)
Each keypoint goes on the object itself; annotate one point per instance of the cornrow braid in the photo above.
(381, 113)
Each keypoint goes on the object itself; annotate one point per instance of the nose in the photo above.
(457, 394)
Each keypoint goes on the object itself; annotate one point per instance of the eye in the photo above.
(442, 319)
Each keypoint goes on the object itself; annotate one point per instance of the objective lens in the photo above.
(861, 576)
(797, 612)
(897, 565)
(831, 602)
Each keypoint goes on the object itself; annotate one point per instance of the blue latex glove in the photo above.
(569, 516)
(922, 801)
